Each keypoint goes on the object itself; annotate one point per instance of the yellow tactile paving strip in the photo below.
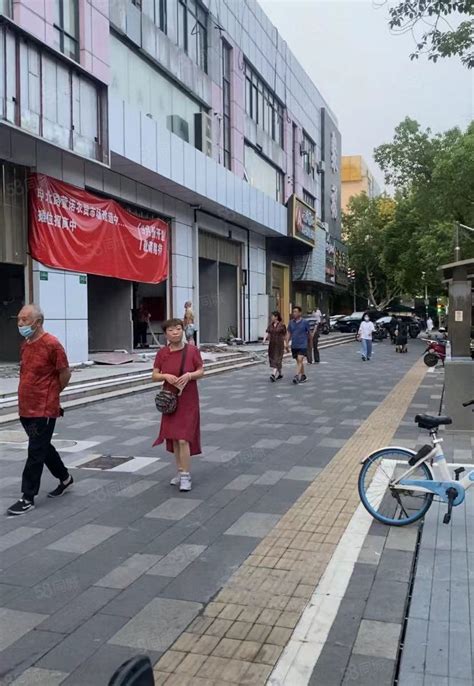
(241, 634)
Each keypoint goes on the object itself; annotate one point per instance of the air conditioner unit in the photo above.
(321, 167)
(178, 126)
(203, 132)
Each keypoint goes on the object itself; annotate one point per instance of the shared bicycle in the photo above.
(397, 486)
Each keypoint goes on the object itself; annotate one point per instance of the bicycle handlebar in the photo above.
(469, 402)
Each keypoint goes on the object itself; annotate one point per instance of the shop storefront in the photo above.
(13, 256)
(220, 286)
(95, 261)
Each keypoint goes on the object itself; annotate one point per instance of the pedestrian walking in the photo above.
(298, 336)
(401, 337)
(275, 335)
(190, 331)
(429, 325)
(179, 365)
(313, 349)
(317, 315)
(44, 373)
(366, 330)
(392, 327)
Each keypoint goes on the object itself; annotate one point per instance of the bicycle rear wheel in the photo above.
(390, 506)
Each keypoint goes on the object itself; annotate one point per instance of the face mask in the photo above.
(366, 319)
(26, 331)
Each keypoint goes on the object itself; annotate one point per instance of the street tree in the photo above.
(436, 28)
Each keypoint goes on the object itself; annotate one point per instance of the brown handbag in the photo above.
(167, 401)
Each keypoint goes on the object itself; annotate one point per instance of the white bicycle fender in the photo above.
(388, 447)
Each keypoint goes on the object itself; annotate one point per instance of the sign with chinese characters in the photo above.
(72, 229)
(330, 260)
(302, 220)
(341, 264)
(334, 204)
(334, 153)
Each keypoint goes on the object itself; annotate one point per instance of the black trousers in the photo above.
(40, 452)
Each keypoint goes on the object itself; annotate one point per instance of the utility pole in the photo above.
(423, 276)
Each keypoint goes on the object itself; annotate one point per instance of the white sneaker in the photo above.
(185, 483)
(176, 480)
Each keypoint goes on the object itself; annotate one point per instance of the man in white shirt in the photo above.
(317, 315)
(366, 330)
(429, 325)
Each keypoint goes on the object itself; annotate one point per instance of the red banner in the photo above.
(75, 230)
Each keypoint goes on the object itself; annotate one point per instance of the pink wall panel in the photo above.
(29, 20)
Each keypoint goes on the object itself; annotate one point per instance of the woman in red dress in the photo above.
(181, 430)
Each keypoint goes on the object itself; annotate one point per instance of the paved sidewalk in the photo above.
(124, 563)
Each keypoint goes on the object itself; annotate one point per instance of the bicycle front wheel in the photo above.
(387, 505)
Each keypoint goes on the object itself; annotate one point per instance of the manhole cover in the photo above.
(104, 462)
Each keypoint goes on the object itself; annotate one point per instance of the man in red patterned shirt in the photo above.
(44, 373)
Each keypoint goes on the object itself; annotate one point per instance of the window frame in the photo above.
(193, 13)
(310, 154)
(309, 198)
(262, 105)
(62, 32)
(226, 103)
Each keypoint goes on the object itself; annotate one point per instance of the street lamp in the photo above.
(423, 276)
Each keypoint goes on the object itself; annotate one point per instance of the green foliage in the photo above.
(439, 39)
(433, 181)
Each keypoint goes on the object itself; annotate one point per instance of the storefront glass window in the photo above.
(141, 85)
(263, 175)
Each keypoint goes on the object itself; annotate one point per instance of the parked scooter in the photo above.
(380, 333)
(435, 351)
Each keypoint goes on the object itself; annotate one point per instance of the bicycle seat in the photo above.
(426, 421)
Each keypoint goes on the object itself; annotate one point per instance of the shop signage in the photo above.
(72, 229)
(43, 276)
(82, 278)
(330, 260)
(302, 221)
(341, 266)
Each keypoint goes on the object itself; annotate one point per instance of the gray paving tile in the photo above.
(402, 538)
(78, 647)
(100, 666)
(331, 665)
(78, 610)
(129, 571)
(220, 456)
(371, 551)
(83, 539)
(268, 443)
(136, 440)
(174, 508)
(15, 624)
(374, 671)
(269, 478)
(158, 625)
(177, 560)
(460, 660)
(302, 473)
(16, 536)
(137, 488)
(35, 676)
(387, 600)
(414, 646)
(27, 651)
(377, 639)
(332, 442)
(253, 524)
(437, 649)
(241, 482)
(89, 485)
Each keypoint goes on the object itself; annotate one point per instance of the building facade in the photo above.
(191, 113)
(356, 178)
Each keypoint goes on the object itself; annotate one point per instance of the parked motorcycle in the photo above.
(380, 333)
(435, 352)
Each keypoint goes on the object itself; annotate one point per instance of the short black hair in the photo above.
(276, 314)
(297, 307)
(170, 323)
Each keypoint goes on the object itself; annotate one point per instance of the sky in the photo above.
(365, 74)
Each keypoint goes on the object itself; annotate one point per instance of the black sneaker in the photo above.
(20, 507)
(61, 488)
(273, 378)
(296, 380)
(303, 379)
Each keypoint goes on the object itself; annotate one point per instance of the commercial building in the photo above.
(159, 151)
(356, 178)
